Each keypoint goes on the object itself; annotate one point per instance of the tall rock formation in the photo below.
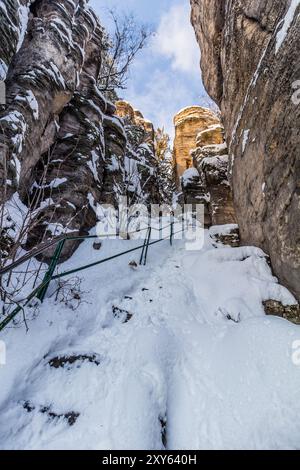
(188, 123)
(251, 67)
(201, 158)
(13, 22)
(141, 165)
(63, 150)
(41, 81)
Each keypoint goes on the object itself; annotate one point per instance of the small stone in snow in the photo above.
(133, 265)
(97, 246)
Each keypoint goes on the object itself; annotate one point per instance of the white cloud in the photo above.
(159, 100)
(176, 40)
(166, 76)
(162, 97)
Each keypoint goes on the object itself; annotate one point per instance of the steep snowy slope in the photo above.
(177, 354)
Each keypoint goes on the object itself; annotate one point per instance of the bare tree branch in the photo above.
(122, 47)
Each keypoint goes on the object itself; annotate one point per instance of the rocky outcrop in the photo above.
(51, 141)
(206, 179)
(140, 165)
(68, 178)
(251, 67)
(13, 22)
(188, 123)
(211, 160)
(288, 312)
(134, 117)
(41, 81)
(63, 149)
(130, 168)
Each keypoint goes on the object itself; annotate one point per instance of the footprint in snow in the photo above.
(70, 416)
(122, 315)
(74, 360)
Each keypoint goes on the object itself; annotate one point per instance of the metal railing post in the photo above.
(172, 230)
(143, 250)
(41, 291)
(144, 253)
(160, 227)
(147, 246)
(48, 276)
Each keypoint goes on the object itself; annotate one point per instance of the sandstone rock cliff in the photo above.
(200, 148)
(134, 117)
(141, 165)
(63, 149)
(188, 123)
(251, 66)
(13, 19)
(211, 160)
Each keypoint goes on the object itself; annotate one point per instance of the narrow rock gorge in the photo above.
(66, 150)
(126, 320)
(251, 68)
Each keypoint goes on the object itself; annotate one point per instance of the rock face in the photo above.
(141, 165)
(13, 18)
(188, 123)
(41, 81)
(134, 117)
(63, 149)
(289, 312)
(205, 153)
(251, 67)
(211, 160)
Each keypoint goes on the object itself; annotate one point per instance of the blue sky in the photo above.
(166, 75)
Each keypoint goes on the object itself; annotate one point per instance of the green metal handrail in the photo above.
(49, 274)
(41, 291)
(45, 246)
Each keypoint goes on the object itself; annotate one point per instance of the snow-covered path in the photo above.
(177, 354)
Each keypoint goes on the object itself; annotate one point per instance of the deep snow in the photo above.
(182, 340)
